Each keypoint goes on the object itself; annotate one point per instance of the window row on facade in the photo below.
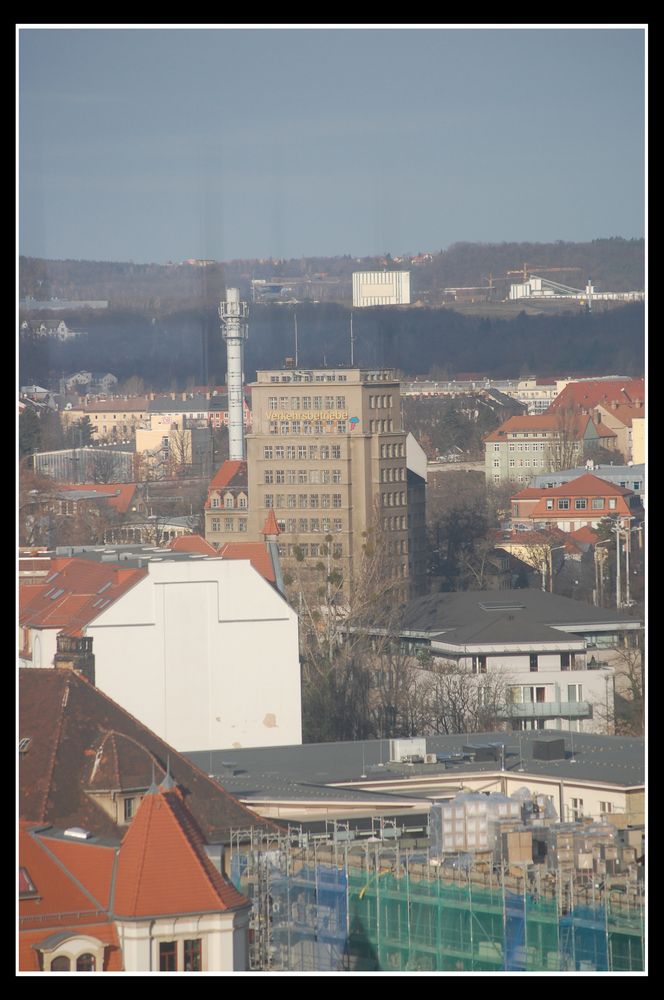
(380, 402)
(177, 956)
(568, 661)
(315, 476)
(230, 524)
(306, 403)
(303, 500)
(381, 426)
(525, 694)
(302, 452)
(397, 450)
(393, 499)
(310, 377)
(522, 463)
(230, 502)
(397, 475)
(581, 503)
(308, 426)
(394, 523)
(315, 549)
(306, 525)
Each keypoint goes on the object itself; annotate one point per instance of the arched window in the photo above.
(60, 964)
(85, 963)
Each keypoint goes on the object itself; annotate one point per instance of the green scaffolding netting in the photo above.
(327, 917)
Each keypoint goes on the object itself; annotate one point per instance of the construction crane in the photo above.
(526, 270)
(491, 279)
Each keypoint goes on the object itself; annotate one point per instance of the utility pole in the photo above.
(618, 587)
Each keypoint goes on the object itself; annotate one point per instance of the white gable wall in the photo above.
(205, 653)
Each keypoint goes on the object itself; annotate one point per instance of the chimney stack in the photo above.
(233, 316)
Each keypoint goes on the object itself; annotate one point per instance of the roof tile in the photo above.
(164, 840)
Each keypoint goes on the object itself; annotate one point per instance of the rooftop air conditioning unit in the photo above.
(430, 758)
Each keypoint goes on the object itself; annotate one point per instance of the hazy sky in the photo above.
(158, 144)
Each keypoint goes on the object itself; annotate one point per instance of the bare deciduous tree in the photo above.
(565, 447)
(105, 467)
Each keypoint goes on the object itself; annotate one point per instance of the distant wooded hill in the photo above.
(614, 264)
(170, 350)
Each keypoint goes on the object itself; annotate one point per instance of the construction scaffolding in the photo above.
(333, 906)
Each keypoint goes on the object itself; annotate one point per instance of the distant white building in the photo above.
(381, 288)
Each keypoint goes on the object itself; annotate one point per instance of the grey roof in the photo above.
(506, 629)
(179, 405)
(304, 771)
(611, 473)
(130, 555)
(469, 609)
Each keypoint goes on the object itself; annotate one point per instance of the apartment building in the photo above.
(523, 447)
(328, 455)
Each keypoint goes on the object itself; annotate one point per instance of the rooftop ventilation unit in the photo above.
(415, 747)
(78, 833)
(553, 749)
(501, 606)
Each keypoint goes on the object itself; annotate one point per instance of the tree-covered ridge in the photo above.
(614, 264)
(188, 345)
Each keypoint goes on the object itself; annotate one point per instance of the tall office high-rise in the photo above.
(327, 453)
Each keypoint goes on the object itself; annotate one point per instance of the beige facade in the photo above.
(110, 419)
(638, 440)
(328, 455)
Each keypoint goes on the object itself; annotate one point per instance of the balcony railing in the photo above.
(549, 710)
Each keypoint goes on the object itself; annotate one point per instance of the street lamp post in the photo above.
(552, 549)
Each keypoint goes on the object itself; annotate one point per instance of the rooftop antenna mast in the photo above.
(352, 341)
(295, 318)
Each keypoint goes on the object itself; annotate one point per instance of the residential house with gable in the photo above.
(155, 902)
(617, 403)
(227, 503)
(582, 502)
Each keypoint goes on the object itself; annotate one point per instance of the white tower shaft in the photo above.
(232, 314)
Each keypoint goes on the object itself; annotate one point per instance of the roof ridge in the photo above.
(195, 841)
(56, 745)
(136, 885)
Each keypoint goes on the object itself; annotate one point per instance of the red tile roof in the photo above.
(57, 892)
(256, 552)
(192, 543)
(624, 412)
(91, 864)
(528, 493)
(86, 590)
(120, 495)
(228, 472)
(70, 722)
(603, 431)
(271, 527)
(162, 865)
(586, 395)
(585, 535)
(72, 883)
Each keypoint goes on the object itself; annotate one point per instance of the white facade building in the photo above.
(381, 288)
(203, 651)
